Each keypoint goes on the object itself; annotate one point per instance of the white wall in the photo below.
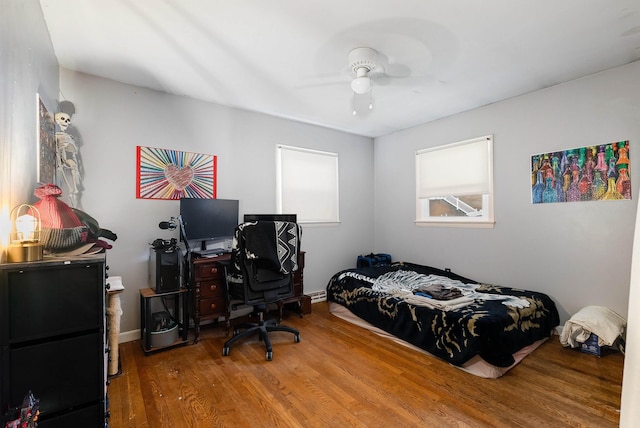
(27, 66)
(578, 253)
(113, 118)
(630, 411)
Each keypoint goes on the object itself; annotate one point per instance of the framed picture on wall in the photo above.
(591, 173)
(173, 174)
(46, 162)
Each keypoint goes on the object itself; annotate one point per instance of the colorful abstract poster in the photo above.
(172, 174)
(592, 173)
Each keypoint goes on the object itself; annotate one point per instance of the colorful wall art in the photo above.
(172, 174)
(592, 173)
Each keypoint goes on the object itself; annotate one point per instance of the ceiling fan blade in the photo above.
(392, 69)
(402, 81)
(397, 71)
(319, 83)
(340, 76)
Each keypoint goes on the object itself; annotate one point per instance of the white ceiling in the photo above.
(288, 58)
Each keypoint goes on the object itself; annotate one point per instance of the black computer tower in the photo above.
(165, 272)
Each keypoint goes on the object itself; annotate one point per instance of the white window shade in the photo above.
(308, 184)
(457, 169)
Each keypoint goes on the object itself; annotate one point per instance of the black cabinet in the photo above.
(52, 338)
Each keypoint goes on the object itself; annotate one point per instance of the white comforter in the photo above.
(599, 320)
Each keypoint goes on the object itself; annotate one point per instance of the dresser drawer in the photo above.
(215, 305)
(207, 270)
(211, 289)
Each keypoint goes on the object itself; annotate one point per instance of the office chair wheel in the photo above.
(296, 338)
(269, 355)
(225, 351)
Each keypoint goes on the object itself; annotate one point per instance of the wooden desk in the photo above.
(209, 297)
(210, 301)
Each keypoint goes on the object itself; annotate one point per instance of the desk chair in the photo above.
(263, 259)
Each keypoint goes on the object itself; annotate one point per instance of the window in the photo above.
(454, 184)
(307, 184)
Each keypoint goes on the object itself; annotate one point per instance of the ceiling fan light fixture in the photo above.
(362, 61)
(360, 103)
(361, 85)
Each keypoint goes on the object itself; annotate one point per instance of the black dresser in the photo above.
(52, 338)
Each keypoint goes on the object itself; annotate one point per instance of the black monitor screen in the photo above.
(208, 219)
(271, 217)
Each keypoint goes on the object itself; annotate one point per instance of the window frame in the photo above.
(487, 219)
(326, 204)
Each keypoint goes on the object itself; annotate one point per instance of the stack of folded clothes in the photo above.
(438, 292)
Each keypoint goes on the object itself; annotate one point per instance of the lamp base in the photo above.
(25, 252)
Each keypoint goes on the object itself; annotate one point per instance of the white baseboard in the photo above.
(317, 296)
(129, 336)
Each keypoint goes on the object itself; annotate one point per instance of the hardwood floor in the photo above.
(341, 375)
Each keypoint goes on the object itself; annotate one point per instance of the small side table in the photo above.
(180, 315)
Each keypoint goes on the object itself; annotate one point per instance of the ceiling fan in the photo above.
(368, 67)
(363, 62)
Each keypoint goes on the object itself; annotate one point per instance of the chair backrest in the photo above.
(265, 255)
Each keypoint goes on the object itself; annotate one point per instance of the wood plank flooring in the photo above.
(340, 375)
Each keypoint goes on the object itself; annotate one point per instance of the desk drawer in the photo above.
(207, 270)
(216, 305)
(297, 289)
(211, 289)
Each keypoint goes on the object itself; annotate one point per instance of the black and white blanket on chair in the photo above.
(274, 242)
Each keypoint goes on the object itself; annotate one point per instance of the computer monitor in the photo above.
(209, 219)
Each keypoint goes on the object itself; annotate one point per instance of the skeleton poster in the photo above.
(173, 174)
(592, 173)
(46, 145)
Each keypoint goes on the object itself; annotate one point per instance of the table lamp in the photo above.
(24, 242)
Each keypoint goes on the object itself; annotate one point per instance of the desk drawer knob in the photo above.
(214, 270)
(213, 287)
(213, 306)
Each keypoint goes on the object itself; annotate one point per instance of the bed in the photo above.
(481, 328)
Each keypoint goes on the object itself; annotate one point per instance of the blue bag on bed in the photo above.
(371, 260)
